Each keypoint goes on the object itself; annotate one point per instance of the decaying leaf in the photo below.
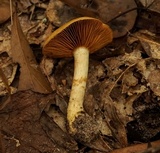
(4, 10)
(128, 81)
(153, 5)
(126, 78)
(116, 123)
(150, 44)
(106, 10)
(154, 81)
(58, 13)
(27, 132)
(146, 2)
(7, 74)
(55, 133)
(149, 68)
(23, 5)
(31, 76)
(140, 148)
(47, 65)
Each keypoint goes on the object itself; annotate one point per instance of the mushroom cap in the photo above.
(81, 32)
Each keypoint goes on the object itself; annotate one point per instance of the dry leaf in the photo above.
(56, 134)
(153, 5)
(106, 10)
(150, 43)
(116, 124)
(7, 74)
(154, 80)
(31, 76)
(151, 73)
(113, 64)
(21, 119)
(47, 65)
(128, 81)
(151, 47)
(146, 3)
(58, 13)
(140, 148)
(4, 10)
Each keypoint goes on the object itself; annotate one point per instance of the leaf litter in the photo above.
(31, 76)
(122, 93)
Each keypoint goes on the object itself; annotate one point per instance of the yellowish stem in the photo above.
(75, 105)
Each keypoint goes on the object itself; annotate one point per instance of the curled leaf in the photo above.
(31, 76)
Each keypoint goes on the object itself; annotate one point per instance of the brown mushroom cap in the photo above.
(81, 32)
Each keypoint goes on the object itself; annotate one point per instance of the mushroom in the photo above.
(77, 38)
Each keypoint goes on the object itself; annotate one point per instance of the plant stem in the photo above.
(75, 105)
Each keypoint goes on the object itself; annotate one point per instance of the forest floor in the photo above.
(123, 86)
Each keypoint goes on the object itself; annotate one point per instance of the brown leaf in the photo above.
(4, 80)
(150, 43)
(128, 81)
(8, 70)
(24, 133)
(154, 81)
(4, 10)
(116, 124)
(153, 5)
(107, 10)
(31, 76)
(138, 148)
(56, 134)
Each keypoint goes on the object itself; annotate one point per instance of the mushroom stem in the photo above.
(75, 106)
